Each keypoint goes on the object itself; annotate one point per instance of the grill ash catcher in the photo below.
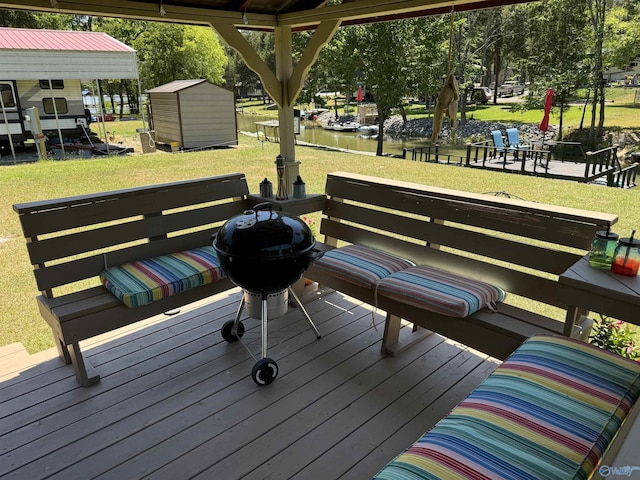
(264, 252)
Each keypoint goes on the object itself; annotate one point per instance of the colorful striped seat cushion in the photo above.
(361, 265)
(548, 412)
(439, 291)
(144, 281)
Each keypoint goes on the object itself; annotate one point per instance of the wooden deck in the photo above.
(557, 169)
(177, 402)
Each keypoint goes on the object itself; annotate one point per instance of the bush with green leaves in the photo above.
(614, 336)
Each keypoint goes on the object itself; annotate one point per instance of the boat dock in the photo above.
(600, 167)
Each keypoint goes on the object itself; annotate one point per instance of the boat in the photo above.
(342, 126)
(368, 129)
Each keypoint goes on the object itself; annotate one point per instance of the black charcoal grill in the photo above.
(264, 251)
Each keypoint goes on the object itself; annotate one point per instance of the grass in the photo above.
(21, 322)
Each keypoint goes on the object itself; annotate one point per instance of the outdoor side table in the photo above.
(601, 291)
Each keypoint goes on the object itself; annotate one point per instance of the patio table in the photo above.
(583, 287)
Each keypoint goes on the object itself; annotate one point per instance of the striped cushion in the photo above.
(438, 291)
(360, 265)
(139, 283)
(548, 412)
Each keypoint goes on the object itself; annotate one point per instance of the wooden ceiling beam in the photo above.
(353, 11)
(369, 10)
(146, 11)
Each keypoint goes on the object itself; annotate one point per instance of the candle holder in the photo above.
(282, 182)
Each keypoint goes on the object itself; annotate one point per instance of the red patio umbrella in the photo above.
(359, 96)
(548, 101)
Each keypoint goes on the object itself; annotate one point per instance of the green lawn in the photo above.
(20, 320)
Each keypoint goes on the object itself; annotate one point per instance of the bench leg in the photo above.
(63, 351)
(85, 373)
(392, 343)
(574, 317)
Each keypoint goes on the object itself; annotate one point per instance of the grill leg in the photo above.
(234, 330)
(264, 326)
(304, 311)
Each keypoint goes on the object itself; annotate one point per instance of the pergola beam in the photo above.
(358, 11)
(145, 11)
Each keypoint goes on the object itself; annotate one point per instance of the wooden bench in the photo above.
(70, 240)
(521, 247)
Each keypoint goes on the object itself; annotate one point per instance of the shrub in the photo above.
(614, 336)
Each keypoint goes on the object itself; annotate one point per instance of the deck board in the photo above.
(176, 401)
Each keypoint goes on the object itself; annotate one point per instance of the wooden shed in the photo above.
(193, 114)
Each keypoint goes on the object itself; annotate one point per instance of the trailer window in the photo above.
(8, 99)
(61, 105)
(55, 84)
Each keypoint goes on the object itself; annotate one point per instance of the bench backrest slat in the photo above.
(420, 230)
(72, 239)
(142, 229)
(570, 227)
(39, 218)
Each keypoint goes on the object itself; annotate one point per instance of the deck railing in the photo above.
(626, 177)
(431, 153)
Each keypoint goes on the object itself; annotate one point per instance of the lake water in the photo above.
(354, 141)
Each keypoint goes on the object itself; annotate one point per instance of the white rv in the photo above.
(59, 104)
(44, 68)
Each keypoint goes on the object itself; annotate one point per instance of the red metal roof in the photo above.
(62, 40)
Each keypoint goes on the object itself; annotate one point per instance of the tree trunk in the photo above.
(600, 130)
(584, 109)
(403, 113)
(381, 119)
(496, 71)
(563, 97)
(597, 11)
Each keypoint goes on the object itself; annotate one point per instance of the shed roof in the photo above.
(176, 86)
(27, 54)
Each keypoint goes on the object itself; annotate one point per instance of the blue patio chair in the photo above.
(500, 149)
(515, 147)
(514, 140)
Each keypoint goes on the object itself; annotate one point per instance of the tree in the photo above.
(386, 49)
(126, 31)
(555, 48)
(168, 52)
(237, 71)
(622, 34)
(597, 12)
(469, 38)
(428, 59)
(23, 19)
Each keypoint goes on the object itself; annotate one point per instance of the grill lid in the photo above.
(264, 234)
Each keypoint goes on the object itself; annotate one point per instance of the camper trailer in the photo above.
(59, 104)
(44, 68)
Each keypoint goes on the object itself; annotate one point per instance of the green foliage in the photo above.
(22, 19)
(614, 336)
(622, 35)
(168, 52)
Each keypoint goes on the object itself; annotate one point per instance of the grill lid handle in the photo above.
(265, 205)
